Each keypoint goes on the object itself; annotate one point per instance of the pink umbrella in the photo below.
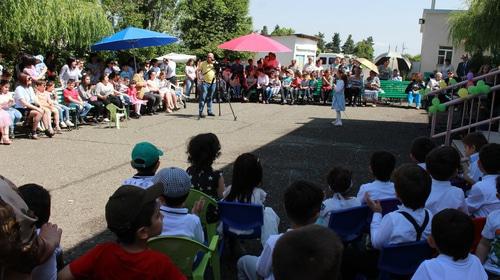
(254, 42)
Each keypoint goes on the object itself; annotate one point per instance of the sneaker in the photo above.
(211, 114)
(201, 116)
(69, 123)
(105, 120)
(339, 123)
(63, 124)
(418, 107)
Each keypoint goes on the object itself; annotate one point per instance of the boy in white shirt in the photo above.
(146, 160)
(487, 250)
(381, 166)
(482, 198)
(412, 221)
(339, 180)
(302, 205)
(442, 164)
(453, 236)
(473, 143)
(420, 148)
(311, 252)
(176, 219)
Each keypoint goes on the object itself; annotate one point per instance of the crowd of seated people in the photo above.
(45, 101)
(439, 200)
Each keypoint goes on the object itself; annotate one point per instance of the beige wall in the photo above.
(300, 47)
(435, 33)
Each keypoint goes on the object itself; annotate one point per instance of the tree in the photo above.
(204, 24)
(348, 47)
(364, 49)
(478, 28)
(321, 42)
(68, 26)
(282, 31)
(334, 45)
(264, 30)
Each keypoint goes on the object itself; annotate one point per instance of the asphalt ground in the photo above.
(82, 168)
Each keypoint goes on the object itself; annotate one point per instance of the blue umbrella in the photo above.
(132, 38)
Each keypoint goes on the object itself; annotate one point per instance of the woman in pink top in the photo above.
(132, 93)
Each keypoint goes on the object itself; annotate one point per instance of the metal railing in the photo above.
(467, 105)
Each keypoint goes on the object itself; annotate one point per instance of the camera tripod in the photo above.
(219, 90)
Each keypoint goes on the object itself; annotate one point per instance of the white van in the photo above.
(328, 59)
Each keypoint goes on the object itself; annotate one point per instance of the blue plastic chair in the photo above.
(403, 259)
(349, 223)
(241, 216)
(389, 205)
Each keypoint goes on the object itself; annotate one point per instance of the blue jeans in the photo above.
(15, 116)
(207, 94)
(82, 112)
(414, 95)
(63, 112)
(269, 93)
(189, 86)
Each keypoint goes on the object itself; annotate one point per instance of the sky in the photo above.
(391, 23)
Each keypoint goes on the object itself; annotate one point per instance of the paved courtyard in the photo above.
(83, 167)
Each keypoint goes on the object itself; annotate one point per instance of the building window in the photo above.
(444, 53)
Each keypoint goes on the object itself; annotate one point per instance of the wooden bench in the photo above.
(393, 90)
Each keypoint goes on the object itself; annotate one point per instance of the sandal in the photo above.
(49, 133)
(5, 140)
(33, 135)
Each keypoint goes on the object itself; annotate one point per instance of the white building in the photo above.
(301, 45)
(436, 42)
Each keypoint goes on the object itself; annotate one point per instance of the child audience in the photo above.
(473, 143)
(412, 221)
(420, 148)
(134, 216)
(202, 151)
(487, 250)
(246, 188)
(381, 166)
(6, 104)
(146, 160)
(452, 236)
(73, 99)
(339, 181)
(482, 198)
(302, 205)
(311, 252)
(176, 219)
(442, 164)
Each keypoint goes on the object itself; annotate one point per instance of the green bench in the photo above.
(393, 90)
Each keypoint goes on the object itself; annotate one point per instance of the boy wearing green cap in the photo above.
(146, 160)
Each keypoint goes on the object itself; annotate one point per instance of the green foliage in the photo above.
(334, 45)
(204, 24)
(364, 49)
(282, 31)
(321, 42)
(477, 28)
(348, 47)
(264, 30)
(67, 26)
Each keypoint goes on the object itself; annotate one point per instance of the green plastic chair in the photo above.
(195, 195)
(183, 251)
(115, 113)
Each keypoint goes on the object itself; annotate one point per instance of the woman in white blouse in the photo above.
(69, 71)
(190, 72)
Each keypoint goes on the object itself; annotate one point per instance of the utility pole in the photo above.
(433, 5)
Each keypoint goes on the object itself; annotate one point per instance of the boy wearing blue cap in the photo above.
(146, 160)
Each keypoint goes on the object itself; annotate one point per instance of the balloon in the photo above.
(442, 84)
(480, 83)
(441, 107)
(452, 81)
(433, 109)
(425, 91)
(435, 101)
(487, 89)
(473, 90)
(484, 89)
(463, 92)
(470, 76)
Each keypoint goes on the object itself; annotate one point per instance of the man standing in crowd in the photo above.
(463, 67)
(385, 72)
(237, 68)
(208, 71)
(293, 66)
(169, 66)
(309, 66)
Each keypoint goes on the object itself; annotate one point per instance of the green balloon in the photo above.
(441, 107)
(433, 109)
(480, 83)
(487, 89)
(452, 81)
(473, 90)
(435, 101)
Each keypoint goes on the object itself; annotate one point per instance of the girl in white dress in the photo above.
(246, 188)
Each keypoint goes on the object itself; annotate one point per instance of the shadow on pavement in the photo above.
(308, 153)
